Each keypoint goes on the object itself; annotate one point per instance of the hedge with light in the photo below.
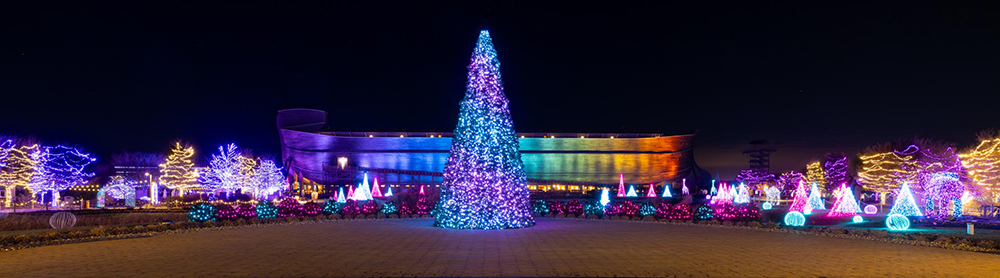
(202, 212)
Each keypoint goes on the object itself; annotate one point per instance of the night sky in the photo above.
(817, 78)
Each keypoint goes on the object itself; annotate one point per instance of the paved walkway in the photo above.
(552, 248)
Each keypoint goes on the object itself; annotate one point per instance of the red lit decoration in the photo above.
(739, 212)
(289, 207)
(556, 207)
(613, 209)
(680, 212)
(246, 211)
(574, 207)
(628, 208)
(350, 208)
(226, 212)
(663, 210)
(311, 209)
(370, 208)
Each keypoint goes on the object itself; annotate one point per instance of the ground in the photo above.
(552, 248)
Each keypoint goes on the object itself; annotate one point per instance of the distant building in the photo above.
(571, 162)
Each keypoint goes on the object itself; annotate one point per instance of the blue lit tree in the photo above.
(484, 181)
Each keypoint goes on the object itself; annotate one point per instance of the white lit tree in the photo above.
(224, 170)
(269, 179)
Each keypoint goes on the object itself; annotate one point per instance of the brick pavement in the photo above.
(552, 248)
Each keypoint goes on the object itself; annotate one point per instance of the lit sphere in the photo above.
(794, 218)
(871, 209)
(857, 219)
(897, 222)
(766, 205)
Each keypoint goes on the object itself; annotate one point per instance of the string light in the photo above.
(177, 171)
(815, 173)
(835, 170)
(883, 171)
(897, 222)
(800, 200)
(651, 192)
(983, 165)
(905, 204)
(621, 185)
(376, 192)
(871, 209)
(857, 219)
(333, 207)
(845, 205)
(795, 219)
(604, 197)
(389, 208)
(684, 187)
(485, 186)
(363, 193)
(666, 191)
(772, 194)
(815, 200)
(202, 212)
(647, 209)
(743, 195)
(631, 192)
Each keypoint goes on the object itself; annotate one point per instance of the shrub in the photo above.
(201, 212)
(594, 208)
(556, 207)
(540, 207)
(311, 209)
(247, 211)
(225, 212)
(389, 208)
(647, 209)
(574, 207)
(266, 209)
(370, 208)
(289, 207)
(331, 207)
(351, 208)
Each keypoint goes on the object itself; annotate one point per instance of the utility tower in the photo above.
(760, 155)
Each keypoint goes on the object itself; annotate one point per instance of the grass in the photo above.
(40, 220)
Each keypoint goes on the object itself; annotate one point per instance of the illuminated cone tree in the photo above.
(801, 198)
(484, 181)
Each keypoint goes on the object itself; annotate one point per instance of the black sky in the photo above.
(813, 77)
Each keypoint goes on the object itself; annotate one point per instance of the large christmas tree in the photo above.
(484, 182)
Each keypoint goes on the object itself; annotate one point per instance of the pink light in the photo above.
(621, 186)
(871, 209)
(376, 192)
(421, 189)
(652, 192)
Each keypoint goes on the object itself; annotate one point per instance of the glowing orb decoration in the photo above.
(897, 222)
(857, 219)
(795, 219)
(807, 210)
(766, 206)
(871, 209)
